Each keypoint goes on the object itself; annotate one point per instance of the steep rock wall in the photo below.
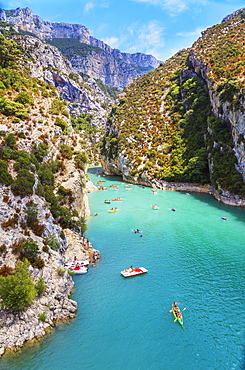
(235, 116)
(111, 66)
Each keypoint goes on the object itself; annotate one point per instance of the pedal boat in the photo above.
(137, 271)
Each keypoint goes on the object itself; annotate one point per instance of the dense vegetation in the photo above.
(27, 167)
(163, 124)
(17, 290)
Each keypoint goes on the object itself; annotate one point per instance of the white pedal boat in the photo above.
(137, 271)
(80, 267)
(79, 270)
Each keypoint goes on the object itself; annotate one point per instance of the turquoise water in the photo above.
(192, 255)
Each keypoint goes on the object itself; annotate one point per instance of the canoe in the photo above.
(178, 318)
(137, 271)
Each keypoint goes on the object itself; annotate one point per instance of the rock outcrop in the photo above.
(46, 63)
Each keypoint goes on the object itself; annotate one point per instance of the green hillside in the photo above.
(164, 125)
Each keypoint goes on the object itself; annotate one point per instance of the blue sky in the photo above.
(157, 27)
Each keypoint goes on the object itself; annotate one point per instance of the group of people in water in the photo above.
(95, 258)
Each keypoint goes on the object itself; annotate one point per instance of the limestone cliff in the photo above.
(46, 63)
(111, 66)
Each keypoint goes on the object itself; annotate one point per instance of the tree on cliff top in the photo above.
(17, 291)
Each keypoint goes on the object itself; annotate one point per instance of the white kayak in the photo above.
(137, 271)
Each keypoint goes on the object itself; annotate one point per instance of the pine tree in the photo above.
(17, 291)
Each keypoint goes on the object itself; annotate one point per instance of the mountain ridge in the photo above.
(114, 67)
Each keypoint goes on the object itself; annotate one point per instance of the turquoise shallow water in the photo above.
(191, 254)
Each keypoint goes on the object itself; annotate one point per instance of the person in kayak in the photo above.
(175, 304)
(179, 314)
(176, 307)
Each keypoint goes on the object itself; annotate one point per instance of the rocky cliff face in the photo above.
(41, 126)
(26, 21)
(111, 66)
(184, 122)
(46, 63)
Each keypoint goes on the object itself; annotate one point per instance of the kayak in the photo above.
(178, 318)
(135, 272)
(113, 210)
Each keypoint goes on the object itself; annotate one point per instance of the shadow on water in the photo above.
(225, 209)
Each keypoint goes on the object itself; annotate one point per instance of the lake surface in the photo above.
(192, 255)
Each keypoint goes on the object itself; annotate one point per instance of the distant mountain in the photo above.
(87, 54)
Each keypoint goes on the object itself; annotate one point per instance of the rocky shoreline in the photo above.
(121, 169)
(226, 198)
(18, 328)
(55, 304)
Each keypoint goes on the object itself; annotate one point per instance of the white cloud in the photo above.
(196, 32)
(173, 6)
(92, 4)
(151, 34)
(89, 6)
(113, 42)
(148, 38)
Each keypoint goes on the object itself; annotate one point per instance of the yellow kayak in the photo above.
(178, 317)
